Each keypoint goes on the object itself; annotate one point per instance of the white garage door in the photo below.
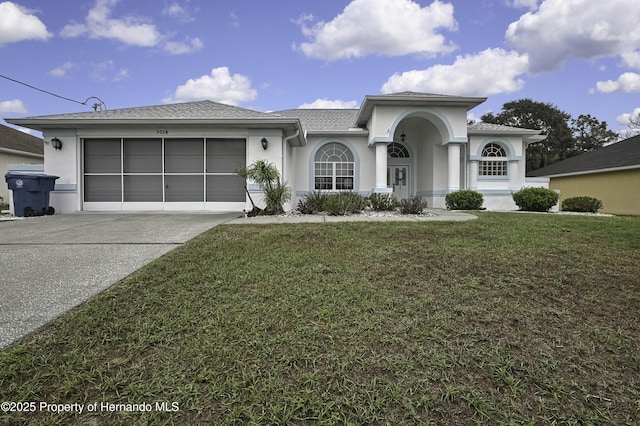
(163, 173)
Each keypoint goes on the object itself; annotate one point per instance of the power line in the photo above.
(99, 105)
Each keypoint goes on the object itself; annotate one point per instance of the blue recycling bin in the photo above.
(31, 193)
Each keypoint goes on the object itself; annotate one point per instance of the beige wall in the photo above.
(619, 191)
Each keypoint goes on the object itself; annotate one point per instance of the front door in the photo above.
(398, 178)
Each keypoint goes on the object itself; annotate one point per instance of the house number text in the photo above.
(162, 132)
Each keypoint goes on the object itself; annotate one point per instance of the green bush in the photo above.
(382, 202)
(582, 204)
(313, 202)
(535, 199)
(465, 199)
(276, 195)
(412, 205)
(3, 205)
(344, 203)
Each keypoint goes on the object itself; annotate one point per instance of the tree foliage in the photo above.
(565, 136)
(546, 117)
(590, 134)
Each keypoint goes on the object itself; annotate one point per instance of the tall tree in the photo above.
(590, 134)
(546, 117)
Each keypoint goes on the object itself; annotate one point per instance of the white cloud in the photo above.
(129, 30)
(329, 104)
(486, 73)
(629, 82)
(529, 4)
(18, 23)
(13, 106)
(631, 59)
(219, 86)
(62, 70)
(562, 29)
(179, 12)
(380, 27)
(179, 48)
(107, 71)
(626, 117)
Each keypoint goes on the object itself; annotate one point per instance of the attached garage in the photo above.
(179, 157)
(162, 173)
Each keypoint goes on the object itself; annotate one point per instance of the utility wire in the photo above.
(95, 106)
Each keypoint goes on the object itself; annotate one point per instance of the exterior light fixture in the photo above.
(56, 143)
(265, 143)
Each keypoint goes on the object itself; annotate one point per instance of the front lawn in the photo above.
(508, 319)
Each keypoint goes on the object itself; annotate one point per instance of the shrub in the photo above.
(313, 202)
(3, 205)
(345, 202)
(276, 194)
(535, 199)
(464, 199)
(412, 205)
(382, 202)
(582, 204)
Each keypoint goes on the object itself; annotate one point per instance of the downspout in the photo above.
(465, 170)
(284, 156)
(284, 146)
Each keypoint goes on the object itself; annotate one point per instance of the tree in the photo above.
(553, 123)
(633, 128)
(267, 176)
(590, 134)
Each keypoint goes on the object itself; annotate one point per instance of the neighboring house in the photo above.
(610, 174)
(17, 147)
(183, 156)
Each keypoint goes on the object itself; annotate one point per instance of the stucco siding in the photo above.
(618, 190)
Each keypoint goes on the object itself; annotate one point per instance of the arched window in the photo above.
(493, 161)
(333, 167)
(397, 150)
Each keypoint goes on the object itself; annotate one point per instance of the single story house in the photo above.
(610, 174)
(183, 156)
(18, 148)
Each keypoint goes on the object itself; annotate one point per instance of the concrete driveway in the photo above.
(50, 264)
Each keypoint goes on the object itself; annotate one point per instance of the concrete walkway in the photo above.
(50, 264)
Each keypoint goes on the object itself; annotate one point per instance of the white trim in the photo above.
(22, 153)
(589, 172)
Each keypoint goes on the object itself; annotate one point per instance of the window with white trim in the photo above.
(333, 167)
(397, 150)
(493, 161)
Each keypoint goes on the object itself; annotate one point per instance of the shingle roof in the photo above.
(187, 110)
(19, 141)
(625, 153)
(314, 120)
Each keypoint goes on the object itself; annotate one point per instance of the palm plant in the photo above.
(267, 176)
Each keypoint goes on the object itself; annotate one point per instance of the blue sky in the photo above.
(581, 55)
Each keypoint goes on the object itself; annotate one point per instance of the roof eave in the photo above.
(358, 132)
(589, 172)
(370, 102)
(44, 123)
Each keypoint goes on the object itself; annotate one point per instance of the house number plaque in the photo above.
(162, 132)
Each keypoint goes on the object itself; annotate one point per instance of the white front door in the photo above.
(398, 178)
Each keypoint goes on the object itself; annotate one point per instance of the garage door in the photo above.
(163, 173)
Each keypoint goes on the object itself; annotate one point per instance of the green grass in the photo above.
(508, 319)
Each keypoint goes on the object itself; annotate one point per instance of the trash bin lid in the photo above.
(29, 175)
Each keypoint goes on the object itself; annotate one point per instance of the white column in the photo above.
(454, 166)
(381, 169)
(473, 174)
(513, 175)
